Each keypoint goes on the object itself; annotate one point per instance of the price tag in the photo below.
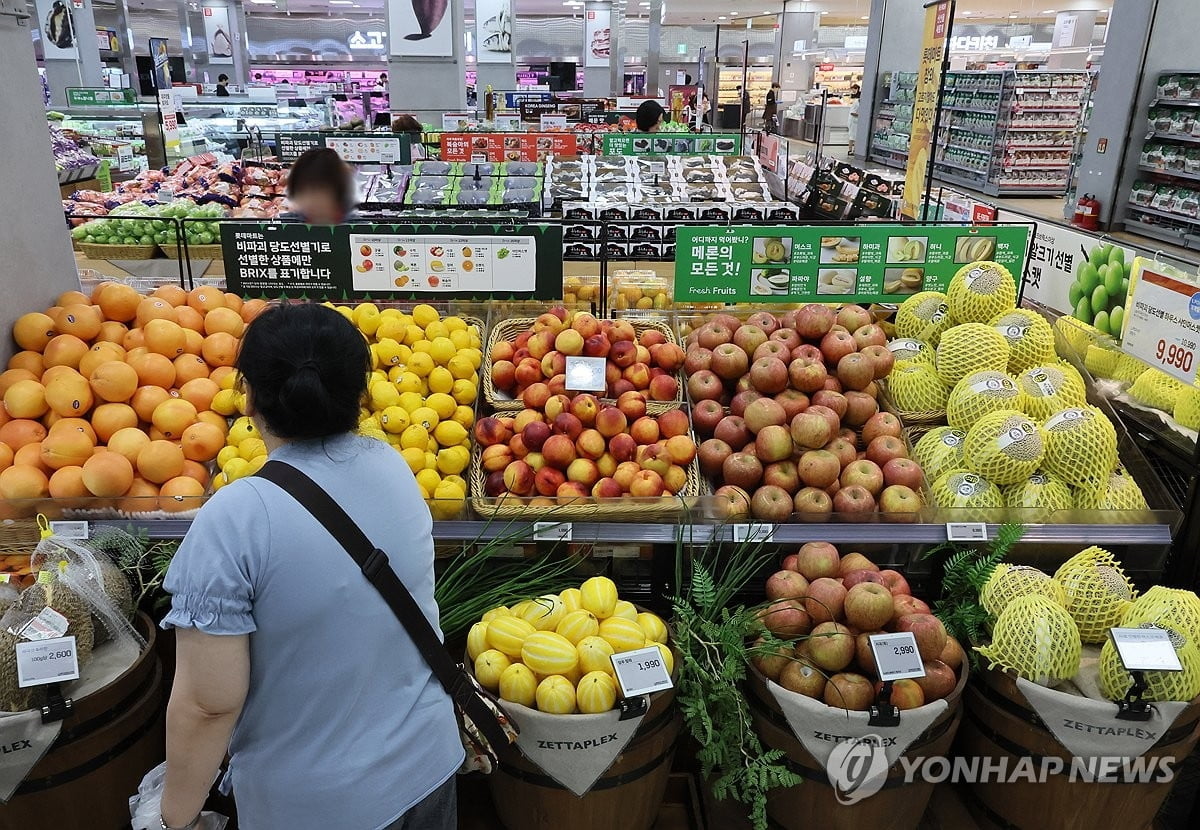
(1161, 322)
(586, 374)
(752, 532)
(387, 153)
(46, 661)
(1145, 649)
(896, 655)
(641, 672)
(966, 532)
(47, 625)
(551, 531)
(70, 530)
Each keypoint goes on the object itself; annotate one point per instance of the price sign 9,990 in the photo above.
(1163, 322)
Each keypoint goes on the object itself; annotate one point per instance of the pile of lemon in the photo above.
(421, 394)
(244, 452)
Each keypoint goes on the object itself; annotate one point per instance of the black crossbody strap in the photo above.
(374, 564)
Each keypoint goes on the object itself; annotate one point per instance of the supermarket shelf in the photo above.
(789, 534)
(1039, 128)
(888, 161)
(975, 184)
(983, 151)
(951, 164)
(1175, 217)
(1190, 139)
(967, 129)
(1175, 237)
(1178, 174)
(1025, 90)
(1037, 147)
(1063, 166)
(891, 150)
(1175, 102)
(1029, 190)
(969, 109)
(1018, 109)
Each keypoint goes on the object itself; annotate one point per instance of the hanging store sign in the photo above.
(368, 41)
(929, 78)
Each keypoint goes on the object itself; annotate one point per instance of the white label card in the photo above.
(1145, 649)
(752, 532)
(70, 530)
(586, 374)
(47, 661)
(551, 531)
(641, 672)
(966, 532)
(897, 656)
(47, 625)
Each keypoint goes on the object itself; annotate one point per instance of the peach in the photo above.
(646, 484)
(590, 444)
(611, 421)
(625, 472)
(569, 342)
(675, 479)
(674, 422)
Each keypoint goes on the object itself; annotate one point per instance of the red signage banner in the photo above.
(499, 147)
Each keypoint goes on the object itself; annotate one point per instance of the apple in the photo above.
(831, 418)
(712, 454)
(733, 431)
(863, 655)
(749, 337)
(584, 407)
(696, 360)
(704, 385)
(762, 413)
(903, 471)
(646, 484)
(810, 430)
(819, 468)
(742, 470)
(855, 561)
(825, 599)
(853, 317)
(906, 605)
(765, 320)
(938, 682)
(519, 478)
(846, 690)
(831, 400)
(674, 422)
(885, 448)
(714, 334)
(865, 474)
(729, 362)
(869, 335)
(863, 575)
(787, 584)
(807, 375)
(782, 474)
(787, 337)
(785, 618)
(742, 384)
(952, 655)
(771, 504)
(855, 371)
(803, 679)
(663, 388)
(623, 447)
(905, 694)
(812, 504)
(843, 450)
(881, 358)
(837, 344)
(813, 321)
(769, 375)
(566, 424)
(868, 606)
(899, 500)
(739, 402)
(928, 629)
(853, 499)
(830, 646)
(555, 406)
(882, 423)
(793, 402)
(808, 351)
(895, 582)
(772, 348)
(815, 560)
(496, 457)
(833, 384)
(706, 415)
(859, 408)
(770, 661)
(731, 503)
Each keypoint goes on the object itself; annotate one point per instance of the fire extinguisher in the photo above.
(1080, 210)
(1091, 214)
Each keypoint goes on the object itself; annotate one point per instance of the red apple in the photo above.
(807, 375)
(905, 694)
(855, 371)
(787, 337)
(899, 500)
(859, 408)
(884, 448)
(787, 584)
(812, 504)
(952, 655)
(803, 679)
(938, 682)
(749, 338)
(770, 662)
(729, 362)
(855, 561)
(793, 402)
(853, 317)
(762, 413)
(742, 470)
(853, 499)
(831, 418)
(815, 560)
(863, 655)
(831, 400)
(714, 334)
(769, 375)
(906, 605)
(810, 430)
(895, 582)
(696, 360)
(731, 503)
(830, 645)
(819, 468)
(837, 344)
(865, 474)
(771, 504)
(706, 415)
(813, 321)
(785, 618)
(863, 575)
(809, 352)
(929, 631)
(712, 454)
(869, 335)
(883, 423)
(881, 358)
(846, 690)
(739, 402)
(704, 385)
(825, 599)
(903, 471)
(782, 474)
(868, 606)
(772, 348)
(844, 451)
(733, 431)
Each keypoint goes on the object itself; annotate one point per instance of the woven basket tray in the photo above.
(624, 509)
(508, 330)
(194, 251)
(118, 252)
(935, 418)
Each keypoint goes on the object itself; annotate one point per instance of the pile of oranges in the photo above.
(112, 395)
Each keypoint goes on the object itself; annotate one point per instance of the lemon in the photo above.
(421, 364)
(391, 327)
(450, 433)
(460, 366)
(366, 318)
(410, 382)
(453, 460)
(371, 428)
(225, 402)
(597, 693)
(464, 391)
(498, 611)
(454, 323)
(432, 446)
(242, 429)
(252, 448)
(383, 395)
(555, 695)
(413, 457)
(344, 311)
(414, 437)
(394, 419)
(474, 355)
(460, 339)
(236, 468)
(429, 480)
(594, 655)
(653, 627)
(424, 314)
(458, 483)
(373, 349)
(225, 454)
(377, 376)
(435, 330)
(425, 416)
(229, 381)
(395, 373)
(413, 334)
(412, 401)
(442, 350)
(218, 481)
(572, 599)
(447, 502)
(430, 459)
(423, 346)
(489, 665)
(256, 464)
(440, 380)
(388, 351)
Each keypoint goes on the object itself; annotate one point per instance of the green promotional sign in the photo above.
(827, 263)
(100, 97)
(392, 261)
(104, 176)
(657, 144)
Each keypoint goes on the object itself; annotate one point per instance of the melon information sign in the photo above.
(828, 263)
(1162, 325)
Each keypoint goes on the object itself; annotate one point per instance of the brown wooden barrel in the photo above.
(898, 806)
(627, 796)
(1000, 723)
(113, 737)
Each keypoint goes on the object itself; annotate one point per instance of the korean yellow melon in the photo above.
(477, 640)
(622, 634)
(599, 595)
(547, 653)
(578, 624)
(595, 654)
(489, 665)
(518, 685)
(507, 635)
(596, 693)
(555, 695)
(543, 613)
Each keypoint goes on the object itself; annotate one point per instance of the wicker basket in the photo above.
(194, 251)
(508, 330)
(118, 252)
(19, 537)
(624, 509)
(935, 418)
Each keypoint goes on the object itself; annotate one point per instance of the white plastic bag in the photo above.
(145, 808)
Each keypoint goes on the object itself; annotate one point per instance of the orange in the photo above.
(165, 337)
(11, 376)
(172, 417)
(21, 431)
(66, 448)
(199, 392)
(70, 395)
(81, 320)
(67, 483)
(220, 349)
(73, 425)
(118, 302)
(133, 340)
(107, 475)
(202, 442)
(219, 374)
(29, 361)
(128, 442)
(234, 301)
(6, 456)
(101, 352)
(112, 332)
(114, 381)
(190, 367)
(173, 294)
(205, 298)
(73, 298)
(154, 308)
(30, 455)
(21, 482)
(55, 372)
(154, 370)
(193, 342)
(65, 350)
(160, 461)
(190, 319)
(146, 399)
(210, 417)
(253, 308)
(33, 331)
(141, 497)
(196, 470)
(109, 418)
(26, 399)
(226, 320)
(179, 494)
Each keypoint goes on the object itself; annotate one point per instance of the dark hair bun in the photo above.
(306, 367)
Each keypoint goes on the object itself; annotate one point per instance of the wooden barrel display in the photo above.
(1000, 723)
(813, 804)
(628, 795)
(112, 738)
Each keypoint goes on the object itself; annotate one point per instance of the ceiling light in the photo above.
(824, 12)
(722, 17)
(868, 17)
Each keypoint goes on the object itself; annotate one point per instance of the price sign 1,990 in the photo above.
(1169, 354)
(641, 672)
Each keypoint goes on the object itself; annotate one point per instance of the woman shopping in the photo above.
(289, 659)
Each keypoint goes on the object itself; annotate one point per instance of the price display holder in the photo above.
(639, 673)
(1162, 325)
(586, 374)
(966, 532)
(1141, 650)
(896, 658)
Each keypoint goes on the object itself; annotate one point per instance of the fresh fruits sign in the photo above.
(880, 263)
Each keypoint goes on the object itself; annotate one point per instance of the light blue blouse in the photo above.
(344, 726)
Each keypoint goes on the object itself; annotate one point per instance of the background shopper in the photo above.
(321, 188)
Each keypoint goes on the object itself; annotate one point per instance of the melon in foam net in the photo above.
(981, 393)
(1081, 446)
(923, 316)
(970, 347)
(1030, 338)
(980, 291)
(1049, 388)
(1005, 447)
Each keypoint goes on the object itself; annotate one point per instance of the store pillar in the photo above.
(654, 50)
(495, 26)
(601, 72)
(71, 51)
(893, 45)
(796, 42)
(427, 57)
(38, 264)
